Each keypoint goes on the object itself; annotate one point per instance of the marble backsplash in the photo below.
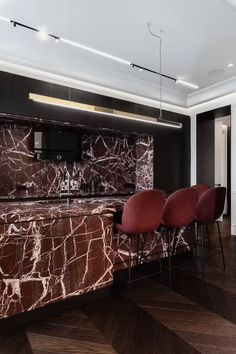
(110, 164)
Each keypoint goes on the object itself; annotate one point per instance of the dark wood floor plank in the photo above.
(69, 320)
(217, 289)
(60, 331)
(40, 352)
(58, 345)
(15, 342)
(212, 350)
(191, 318)
(189, 325)
(213, 341)
(132, 330)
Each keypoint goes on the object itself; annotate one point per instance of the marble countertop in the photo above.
(25, 211)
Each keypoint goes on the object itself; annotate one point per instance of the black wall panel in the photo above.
(5, 92)
(172, 155)
(172, 146)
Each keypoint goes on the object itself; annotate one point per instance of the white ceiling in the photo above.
(199, 39)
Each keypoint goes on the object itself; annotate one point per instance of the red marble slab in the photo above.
(108, 163)
(43, 261)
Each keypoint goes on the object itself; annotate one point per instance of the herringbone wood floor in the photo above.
(151, 319)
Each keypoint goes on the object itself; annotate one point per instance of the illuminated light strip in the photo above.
(102, 111)
(5, 19)
(95, 51)
(185, 83)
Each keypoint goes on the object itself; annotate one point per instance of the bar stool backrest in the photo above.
(210, 205)
(143, 211)
(201, 188)
(180, 208)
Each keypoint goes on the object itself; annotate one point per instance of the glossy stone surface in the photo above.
(53, 250)
(53, 255)
(108, 164)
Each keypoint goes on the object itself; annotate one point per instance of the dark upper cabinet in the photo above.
(22, 86)
(21, 105)
(5, 92)
(172, 155)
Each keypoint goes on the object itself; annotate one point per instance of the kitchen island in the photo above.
(52, 251)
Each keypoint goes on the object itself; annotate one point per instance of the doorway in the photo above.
(214, 150)
(222, 157)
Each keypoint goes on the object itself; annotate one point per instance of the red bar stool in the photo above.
(210, 207)
(201, 188)
(179, 211)
(142, 214)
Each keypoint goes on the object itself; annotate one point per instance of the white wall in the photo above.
(233, 169)
(193, 124)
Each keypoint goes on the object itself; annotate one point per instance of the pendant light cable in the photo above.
(160, 63)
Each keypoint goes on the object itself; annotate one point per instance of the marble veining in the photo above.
(43, 261)
(156, 246)
(144, 163)
(108, 164)
(53, 251)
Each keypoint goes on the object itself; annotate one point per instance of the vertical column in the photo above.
(233, 169)
(193, 122)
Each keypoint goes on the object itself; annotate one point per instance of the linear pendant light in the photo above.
(102, 111)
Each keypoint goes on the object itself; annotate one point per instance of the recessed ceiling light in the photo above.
(215, 72)
(231, 3)
(230, 65)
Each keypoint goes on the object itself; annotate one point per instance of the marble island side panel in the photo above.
(63, 254)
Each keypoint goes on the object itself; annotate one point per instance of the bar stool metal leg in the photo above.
(169, 257)
(208, 236)
(129, 271)
(198, 230)
(144, 235)
(138, 246)
(221, 246)
(202, 250)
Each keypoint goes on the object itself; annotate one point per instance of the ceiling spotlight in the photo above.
(230, 65)
(185, 83)
(43, 35)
